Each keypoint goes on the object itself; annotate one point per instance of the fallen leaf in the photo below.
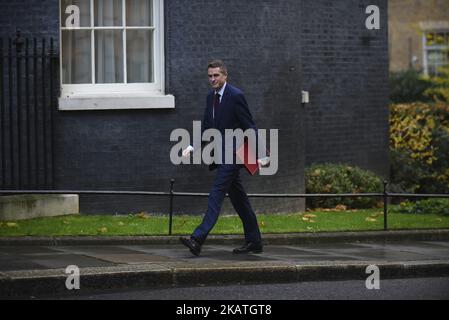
(341, 207)
(65, 222)
(369, 219)
(305, 219)
(262, 224)
(121, 224)
(309, 216)
(183, 222)
(377, 214)
(103, 230)
(12, 224)
(143, 215)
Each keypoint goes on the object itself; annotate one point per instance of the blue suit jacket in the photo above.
(233, 113)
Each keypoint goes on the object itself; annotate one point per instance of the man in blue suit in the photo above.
(226, 109)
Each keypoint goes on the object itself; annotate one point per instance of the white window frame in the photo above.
(107, 96)
(427, 48)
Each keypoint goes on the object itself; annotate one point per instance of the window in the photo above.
(436, 51)
(112, 55)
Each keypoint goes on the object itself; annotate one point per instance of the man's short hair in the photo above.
(218, 64)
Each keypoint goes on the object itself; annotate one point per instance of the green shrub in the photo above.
(341, 178)
(439, 86)
(429, 206)
(412, 86)
(419, 145)
(409, 86)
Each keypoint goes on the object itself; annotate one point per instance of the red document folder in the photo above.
(244, 154)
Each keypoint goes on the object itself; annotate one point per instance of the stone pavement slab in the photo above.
(32, 269)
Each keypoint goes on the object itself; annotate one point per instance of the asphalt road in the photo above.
(390, 289)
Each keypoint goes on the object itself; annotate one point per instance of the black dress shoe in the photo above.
(250, 247)
(192, 244)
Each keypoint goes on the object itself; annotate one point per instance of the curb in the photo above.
(16, 284)
(268, 239)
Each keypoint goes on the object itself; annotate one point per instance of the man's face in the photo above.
(216, 78)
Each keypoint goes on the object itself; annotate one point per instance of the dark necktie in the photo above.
(216, 102)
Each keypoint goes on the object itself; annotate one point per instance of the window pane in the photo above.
(76, 56)
(139, 13)
(84, 12)
(108, 56)
(430, 39)
(139, 52)
(435, 56)
(108, 13)
(439, 39)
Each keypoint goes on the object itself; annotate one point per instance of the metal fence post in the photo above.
(170, 222)
(18, 42)
(385, 206)
(2, 120)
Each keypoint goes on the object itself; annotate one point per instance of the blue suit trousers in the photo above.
(228, 181)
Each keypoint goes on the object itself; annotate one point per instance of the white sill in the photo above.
(116, 102)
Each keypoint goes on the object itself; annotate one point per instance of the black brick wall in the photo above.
(273, 50)
(33, 17)
(347, 120)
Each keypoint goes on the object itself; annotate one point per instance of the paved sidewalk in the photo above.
(30, 268)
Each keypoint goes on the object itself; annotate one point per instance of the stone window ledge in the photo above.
(116, 102)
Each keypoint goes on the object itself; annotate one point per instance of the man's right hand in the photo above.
(187, 151)
(264, 162)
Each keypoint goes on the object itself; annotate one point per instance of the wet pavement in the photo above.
(56, 257)
(25, 269)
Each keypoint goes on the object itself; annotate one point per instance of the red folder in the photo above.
(244, 153)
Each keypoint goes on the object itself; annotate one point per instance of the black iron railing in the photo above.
(28, 80)
(171, 194)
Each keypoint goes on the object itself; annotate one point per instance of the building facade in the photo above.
(418, 35)
(128, 73)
